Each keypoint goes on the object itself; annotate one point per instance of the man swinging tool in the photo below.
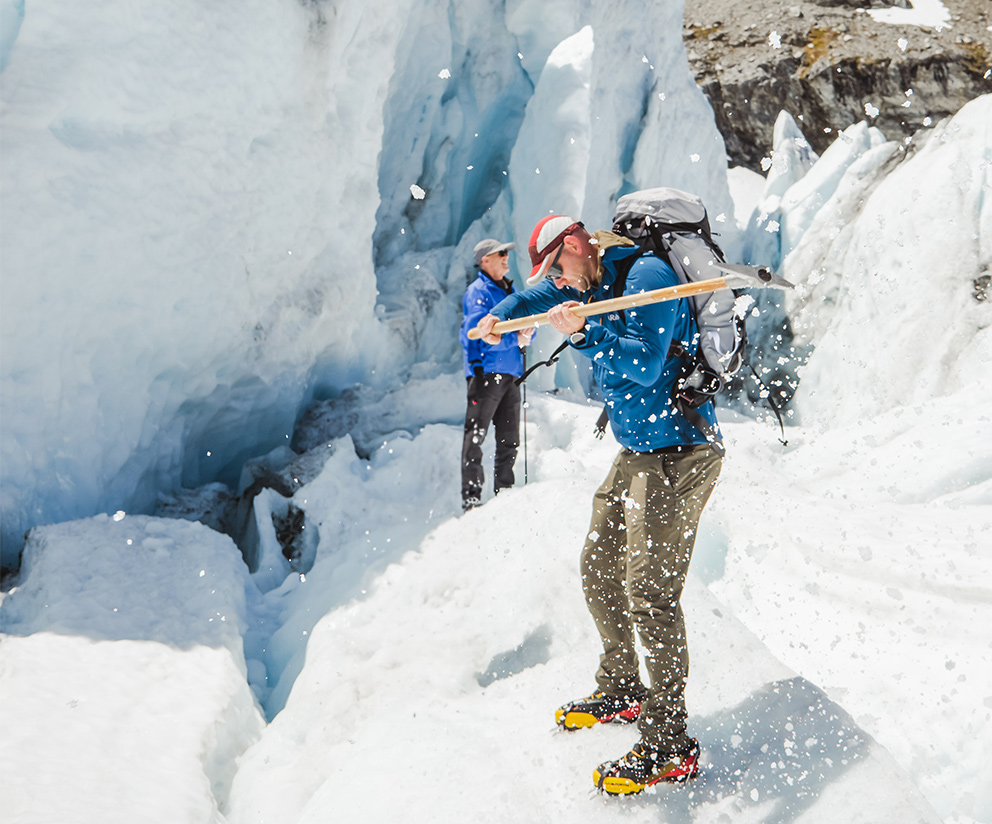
(645, 514)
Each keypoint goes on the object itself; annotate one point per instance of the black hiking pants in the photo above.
(492, 399)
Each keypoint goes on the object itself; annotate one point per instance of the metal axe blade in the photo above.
(740, 276)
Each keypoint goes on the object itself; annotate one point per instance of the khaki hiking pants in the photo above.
(634, 564)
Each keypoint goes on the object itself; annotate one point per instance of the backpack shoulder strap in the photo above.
(623, 269)
(616, 290)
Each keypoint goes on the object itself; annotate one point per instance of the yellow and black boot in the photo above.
(643, 767)
(598, 708)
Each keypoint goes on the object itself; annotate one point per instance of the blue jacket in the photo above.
(630, 358)
(480, 297)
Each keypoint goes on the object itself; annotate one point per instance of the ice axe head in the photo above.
(739, 276)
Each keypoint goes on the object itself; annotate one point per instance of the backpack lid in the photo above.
(663, 205)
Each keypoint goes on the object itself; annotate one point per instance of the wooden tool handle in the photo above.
(585, 310)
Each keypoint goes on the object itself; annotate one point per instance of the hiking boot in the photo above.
(470, 503)
(598, 708)
(643, 767)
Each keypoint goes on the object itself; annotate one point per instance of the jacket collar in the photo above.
(508, 288)
(612, 249)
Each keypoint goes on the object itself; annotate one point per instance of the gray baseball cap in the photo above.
(489, 246)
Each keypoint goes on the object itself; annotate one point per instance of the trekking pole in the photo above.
(525, 418)
(737, 277)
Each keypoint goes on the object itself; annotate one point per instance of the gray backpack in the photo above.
(673, 225)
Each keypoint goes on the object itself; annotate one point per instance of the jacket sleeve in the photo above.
(638, 354)
(475, 304)
(533, 302)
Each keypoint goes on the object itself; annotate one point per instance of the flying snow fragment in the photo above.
(766, 164)
(417, 192)
(444, 74)
(775, 40)
(742, 305)
(903, 43)
(694, 158)
(870, 110)
(772, 227)
(119, 515)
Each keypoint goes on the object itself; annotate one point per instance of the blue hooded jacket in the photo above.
(630, 357)
(505, 357)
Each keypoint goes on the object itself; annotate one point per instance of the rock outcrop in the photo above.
(831, 63)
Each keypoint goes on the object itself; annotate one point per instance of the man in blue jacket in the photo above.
(491, 371)
(646, 512)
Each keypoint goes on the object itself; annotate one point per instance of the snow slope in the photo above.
(429, 694)
(123, 690)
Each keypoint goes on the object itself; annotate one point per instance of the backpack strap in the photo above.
(616, 290)
(549, 362)
(600, 430)
(690, 411)
(772, 404)
(623, 269)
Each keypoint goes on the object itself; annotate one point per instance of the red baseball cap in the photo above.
(547, 236)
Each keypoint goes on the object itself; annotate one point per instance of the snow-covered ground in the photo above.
(838, 612)
(214, 225)
(430, 683)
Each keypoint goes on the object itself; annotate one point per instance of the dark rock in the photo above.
(831, 67)
(982, 284)
(289, 527)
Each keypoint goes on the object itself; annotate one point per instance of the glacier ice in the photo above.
(215, 223)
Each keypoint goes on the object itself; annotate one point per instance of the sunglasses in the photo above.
(554, 270)
(502, 253)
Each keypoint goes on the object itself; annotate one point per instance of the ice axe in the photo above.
(738, 276)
